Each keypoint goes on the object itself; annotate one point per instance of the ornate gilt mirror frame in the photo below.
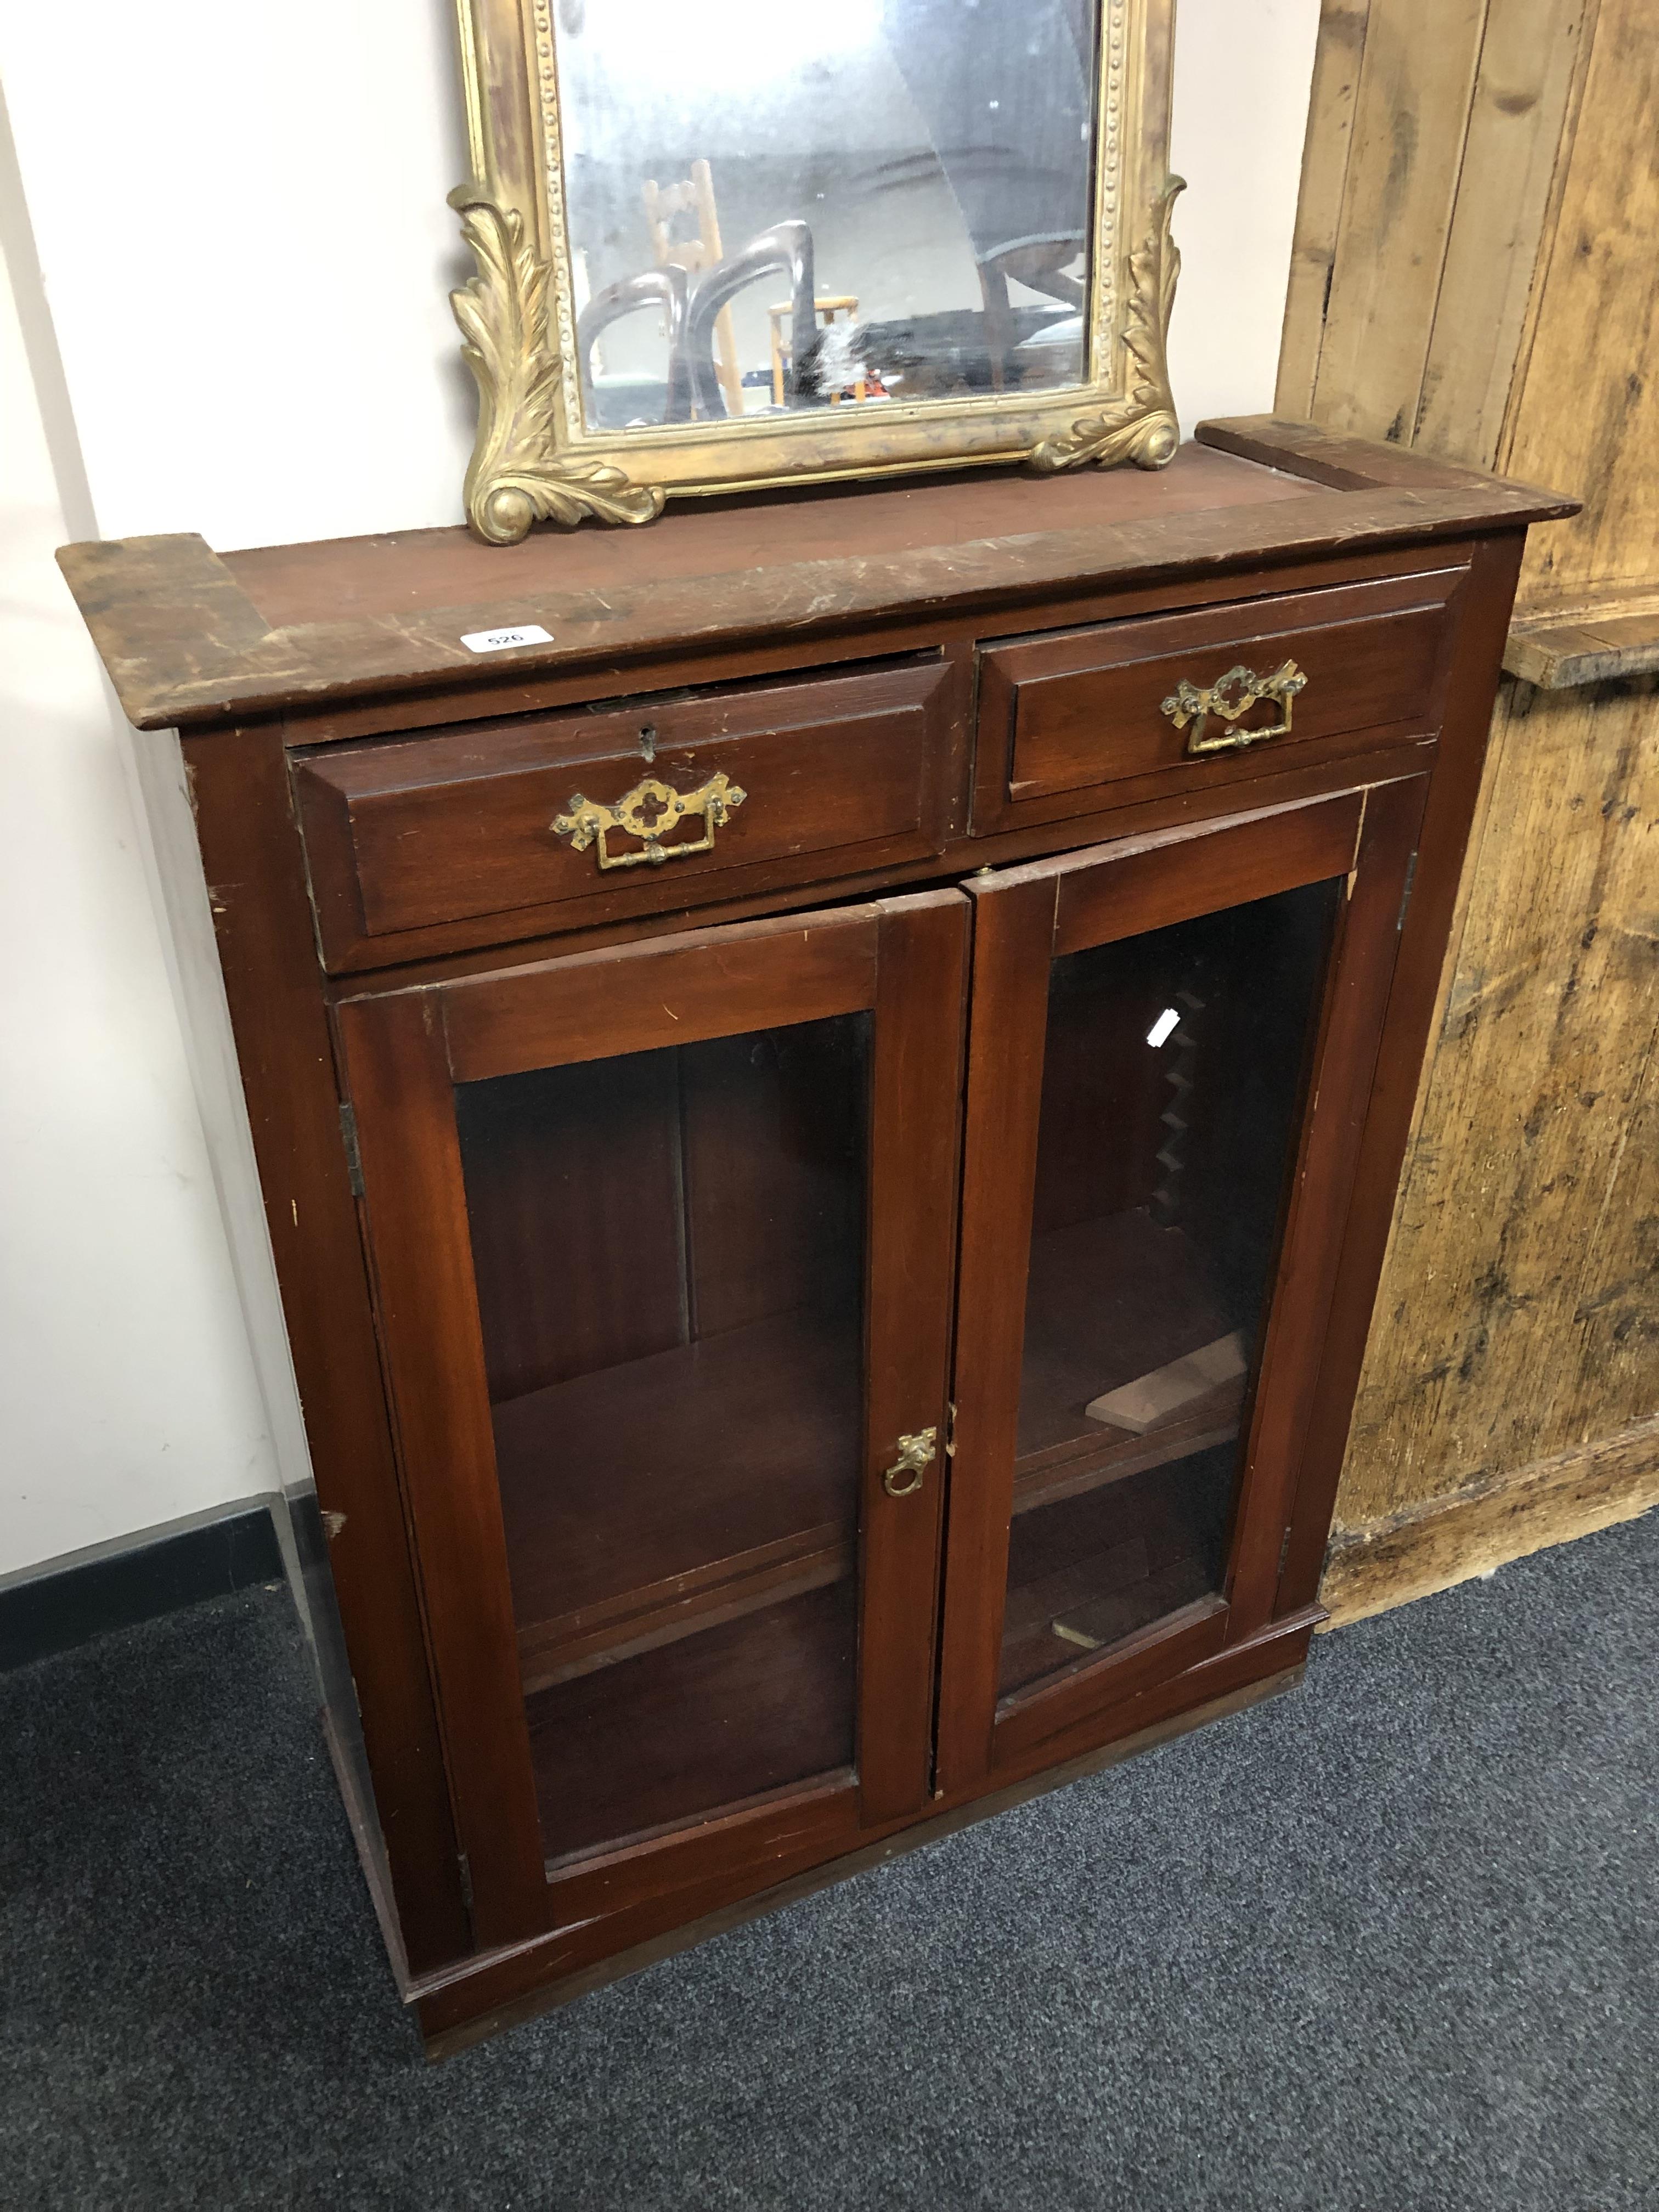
(535, 458)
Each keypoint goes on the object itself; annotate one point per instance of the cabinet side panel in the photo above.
(250, 855)
(199, 993)
(199, 990)
(1454, 790)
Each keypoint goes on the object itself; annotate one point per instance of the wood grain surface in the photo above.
(1087, 707)
(1410, 121)
(184, 643)
(1588, 409)
(1614, 632)
(920, 1040)
(1431, 154)
(1441, 1541)
(1518, 1322)
(1520, 1312)
(254, 868)
(457, 824)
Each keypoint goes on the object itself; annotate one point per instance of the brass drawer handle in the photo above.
(646, 812)
(916, 1453)
(1238, 691)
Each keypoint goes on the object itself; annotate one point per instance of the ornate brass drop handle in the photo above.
(916, 1454)
(1236, 692)
(646, 812)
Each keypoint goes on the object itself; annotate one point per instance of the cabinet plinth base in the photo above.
(486, 1995)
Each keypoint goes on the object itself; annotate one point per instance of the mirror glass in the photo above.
(809, 207)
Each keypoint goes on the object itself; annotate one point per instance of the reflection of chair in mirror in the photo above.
(1010, 114)
(1040, 268)
(829, 305)
(785, 249)
(669, 289)
(703, 250)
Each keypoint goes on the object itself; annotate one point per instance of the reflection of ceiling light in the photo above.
(697, 50)
(1161, 1028)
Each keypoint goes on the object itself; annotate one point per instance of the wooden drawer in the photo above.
(780, 783)
(1076, 721)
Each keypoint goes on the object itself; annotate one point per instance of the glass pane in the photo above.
(837, 207)
(670, 1257)
(1171, 1089)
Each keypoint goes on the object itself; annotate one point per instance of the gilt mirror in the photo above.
(721, 251)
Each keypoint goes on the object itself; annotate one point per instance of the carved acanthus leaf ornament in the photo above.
(1141, 426)
(517, 475)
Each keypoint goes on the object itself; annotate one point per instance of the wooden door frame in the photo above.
(402, 1052)
(1023, 919)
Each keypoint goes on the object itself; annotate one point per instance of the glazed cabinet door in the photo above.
(1172, 1042)
(663, 1241)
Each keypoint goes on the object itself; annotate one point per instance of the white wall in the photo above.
(127, 1396)
(240, 210)
(1243, 71)
(238, 213)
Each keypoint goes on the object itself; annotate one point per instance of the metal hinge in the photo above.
(950, 1430)
(466, 1879)
(1405, 896)
(1283, 1554)
(353, 1156)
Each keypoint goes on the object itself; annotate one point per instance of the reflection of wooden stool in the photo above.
(830, 306)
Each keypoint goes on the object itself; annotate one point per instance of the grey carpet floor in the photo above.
(1388, 1943)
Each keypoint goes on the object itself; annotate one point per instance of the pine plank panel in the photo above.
(1589, 415)
(1519, 1313)
(1524, 87)
(1409, 123)
(1615, 1291)
(1337, 61)
(1430, 1547)
(1516, 1328)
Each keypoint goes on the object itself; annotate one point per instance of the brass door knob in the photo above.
(904, 1477)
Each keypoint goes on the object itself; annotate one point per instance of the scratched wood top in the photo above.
(192, 637)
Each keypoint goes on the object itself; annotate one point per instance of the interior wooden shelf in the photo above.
(667, 1496)
(696, 1727)
(1108, 1301)
(1103, 1564)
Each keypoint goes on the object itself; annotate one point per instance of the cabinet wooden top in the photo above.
(191, 636)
